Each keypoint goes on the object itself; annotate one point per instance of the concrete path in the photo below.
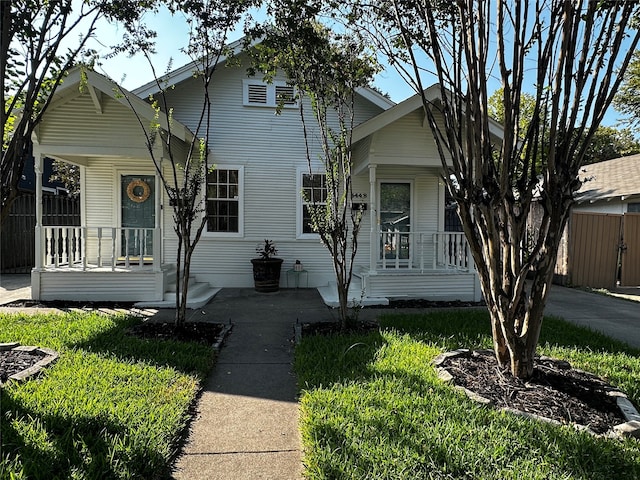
(246, 425)
(247, 417)
(616, 317)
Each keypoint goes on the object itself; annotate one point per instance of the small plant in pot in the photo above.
(266, 268)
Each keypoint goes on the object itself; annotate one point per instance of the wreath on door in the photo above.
(138, 190)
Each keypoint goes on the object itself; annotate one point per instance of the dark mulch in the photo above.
(422, 303)
(333, 328)
(555, 391)
(199, 332)
(12, 362)
(67, 304)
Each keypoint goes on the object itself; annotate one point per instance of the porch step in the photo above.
(200, 293)
(329, 294)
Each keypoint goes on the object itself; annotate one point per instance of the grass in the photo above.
(112, 407)
(372, 407)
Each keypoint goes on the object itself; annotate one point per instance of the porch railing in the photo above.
(420, 251)
(98, 247)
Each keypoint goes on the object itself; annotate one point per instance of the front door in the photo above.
(138, 216)
(395, 221)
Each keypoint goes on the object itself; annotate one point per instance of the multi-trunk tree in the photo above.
(326, 69)
(569, 55)
(184, 177)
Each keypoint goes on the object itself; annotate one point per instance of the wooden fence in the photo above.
(17, 238)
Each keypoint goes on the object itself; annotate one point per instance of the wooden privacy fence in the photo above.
(17, 239)
(604, 249)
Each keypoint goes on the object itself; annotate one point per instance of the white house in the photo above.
(125, 248)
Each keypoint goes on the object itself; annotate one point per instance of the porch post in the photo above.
(373, 220)
(37, 167)
(38, 241)
(157, 249)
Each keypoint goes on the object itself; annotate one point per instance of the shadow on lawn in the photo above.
(439, 432)
(187, 357)
(471, 329)
(55, 447)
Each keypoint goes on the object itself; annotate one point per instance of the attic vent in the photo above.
(257, 94)
(285, 94)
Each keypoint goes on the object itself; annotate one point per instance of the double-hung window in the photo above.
(314, 195)
(224, 200)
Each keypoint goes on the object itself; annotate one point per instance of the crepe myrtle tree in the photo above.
(326, 69)
(570, 55)
(184, 177)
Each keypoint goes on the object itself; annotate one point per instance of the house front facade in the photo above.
(125, 247)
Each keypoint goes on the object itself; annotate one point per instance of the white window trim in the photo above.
(240, 233)
(272, 101)
(300, 202)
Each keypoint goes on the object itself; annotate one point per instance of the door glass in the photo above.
(395, 220)
(138, 215)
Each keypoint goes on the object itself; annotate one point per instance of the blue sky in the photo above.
(173, 34)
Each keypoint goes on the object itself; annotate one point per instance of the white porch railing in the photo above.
(420, 251)
(98, 247)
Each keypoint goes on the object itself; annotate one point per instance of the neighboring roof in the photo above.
(612, 179)
(95, 82)
(403, 108)
(187, 71)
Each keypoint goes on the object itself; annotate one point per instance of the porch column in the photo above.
(373, 220)
(38, 243)
(157, 240)
(37, 167)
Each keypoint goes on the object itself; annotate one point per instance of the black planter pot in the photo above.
(266, 274)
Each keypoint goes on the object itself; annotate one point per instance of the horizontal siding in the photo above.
(271, 149)
(406, 142)
(77, 123)
(430, 286)
(130, 286)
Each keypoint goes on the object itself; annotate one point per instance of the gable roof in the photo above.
(98, 85)
(612, 179)
(396, 112)
(235, 48)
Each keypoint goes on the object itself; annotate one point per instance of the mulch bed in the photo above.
(15, 361)
(555, 391)
(199, 332)
(66, 304)
(422, 303)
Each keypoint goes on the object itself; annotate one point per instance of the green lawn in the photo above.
(373, 407)
(112, 406)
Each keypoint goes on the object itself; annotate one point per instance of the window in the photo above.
(223, 200)
(633, 208)
(314, 192)
(260, 94)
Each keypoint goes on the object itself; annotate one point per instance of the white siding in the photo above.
(77, 123)
(100, 285)
(613, 206)
(431, 286)
(406, 142)
(271, 149)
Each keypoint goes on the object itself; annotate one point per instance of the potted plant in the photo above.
(266, 268)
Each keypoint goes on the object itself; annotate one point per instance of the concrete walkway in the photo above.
(247, 417)
(615, 316)
(246, 424)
